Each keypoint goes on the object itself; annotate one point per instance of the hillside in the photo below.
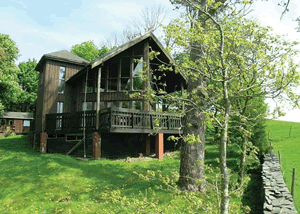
(285, 137)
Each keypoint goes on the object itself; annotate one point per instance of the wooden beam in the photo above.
(131, 76)
(119, 75)
(98, 98)
(146, 104)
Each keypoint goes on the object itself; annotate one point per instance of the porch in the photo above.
(114, 120)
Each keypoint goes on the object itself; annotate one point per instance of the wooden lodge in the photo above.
(98, 108)
(18, 122)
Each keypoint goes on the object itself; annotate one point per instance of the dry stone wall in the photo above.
(277, 196)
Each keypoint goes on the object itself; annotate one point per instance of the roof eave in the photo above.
(45, 57)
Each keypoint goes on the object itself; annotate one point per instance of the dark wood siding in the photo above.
(48, 92)
(40, 103)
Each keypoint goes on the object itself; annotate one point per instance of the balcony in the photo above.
(114, 120)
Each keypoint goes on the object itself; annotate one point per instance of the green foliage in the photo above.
(28, 81)
(9, 133)
(88, 50)
(9, 87)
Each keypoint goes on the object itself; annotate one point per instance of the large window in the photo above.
(88, 106)
(61, 83)
(113, 77)
(137, 75)
(90, 86)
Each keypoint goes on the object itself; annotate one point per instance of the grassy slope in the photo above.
(33, 183)
(289, 148)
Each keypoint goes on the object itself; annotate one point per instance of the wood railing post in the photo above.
(168, 122)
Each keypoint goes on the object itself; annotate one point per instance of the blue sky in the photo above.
(40, 27)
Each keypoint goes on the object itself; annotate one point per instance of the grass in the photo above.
(51, 183)
(285, 137)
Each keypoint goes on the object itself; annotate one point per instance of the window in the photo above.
(124, 104)
(89, 86)
(60, 109)
(137, 105)
(26, 123)
(88, 106)
(11, 122)
(61, 83)
(125, 74)
(112, 77)
(137, 75)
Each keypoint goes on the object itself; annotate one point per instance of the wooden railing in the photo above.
(114, 120)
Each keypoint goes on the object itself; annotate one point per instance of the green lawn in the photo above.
(289, 147)
(34, 183)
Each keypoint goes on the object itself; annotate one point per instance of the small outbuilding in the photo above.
(19, 122)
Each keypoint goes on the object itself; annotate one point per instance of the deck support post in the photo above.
(159, 145)
(147, 145)
(96, 145)
(43, 145)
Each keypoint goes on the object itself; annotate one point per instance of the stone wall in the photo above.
(277, 196)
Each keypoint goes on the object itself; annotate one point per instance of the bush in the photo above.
(9, 132)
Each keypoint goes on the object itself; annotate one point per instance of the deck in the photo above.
(114, 120)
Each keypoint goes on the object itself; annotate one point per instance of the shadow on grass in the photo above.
(253, 195)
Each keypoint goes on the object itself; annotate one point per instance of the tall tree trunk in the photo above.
(192, 153)
(223, 156)
(242, 161)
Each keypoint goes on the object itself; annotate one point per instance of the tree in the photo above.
(150, 19)
(9, 86)
(193, 147)
(238, 59)
(28, 79)
(88, 50)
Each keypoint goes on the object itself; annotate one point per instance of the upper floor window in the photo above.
(61, 83)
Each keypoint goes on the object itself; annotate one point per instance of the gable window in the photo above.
(61, 83)
(113, 77)
(137, 75)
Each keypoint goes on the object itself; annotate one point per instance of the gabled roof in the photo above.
(63, 56)
(125, 46)
(18, 115)
(118, 50)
